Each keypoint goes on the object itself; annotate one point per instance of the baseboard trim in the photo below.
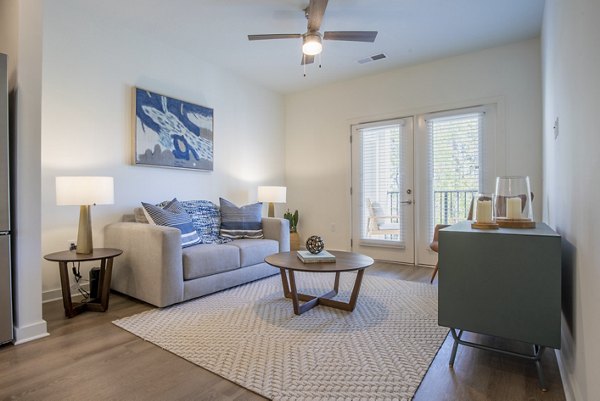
(572, 391)
(31, 332)
(56, 294)
(567, 382)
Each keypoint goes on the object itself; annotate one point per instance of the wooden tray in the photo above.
(484, 226)
(515, 223)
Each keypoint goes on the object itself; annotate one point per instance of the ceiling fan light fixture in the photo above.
(312, 44)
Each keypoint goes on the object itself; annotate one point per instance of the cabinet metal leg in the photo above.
(537, 352)
(455, 345)
(536, 357)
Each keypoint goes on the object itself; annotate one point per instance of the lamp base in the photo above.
(84, 233)
(271, 210)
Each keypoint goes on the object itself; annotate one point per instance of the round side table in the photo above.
(105, 256)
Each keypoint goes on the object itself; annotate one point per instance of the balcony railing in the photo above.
(452, 206)
(449, 206)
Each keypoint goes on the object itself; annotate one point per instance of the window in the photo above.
(455, 172)
(380, 151)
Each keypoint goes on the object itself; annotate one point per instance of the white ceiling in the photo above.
(410, 32)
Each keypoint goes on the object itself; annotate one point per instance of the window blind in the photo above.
(455, 168)
(382, 178)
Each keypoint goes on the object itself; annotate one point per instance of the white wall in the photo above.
(20, 38)
(571, 63)
(318, 125)
(91, 64)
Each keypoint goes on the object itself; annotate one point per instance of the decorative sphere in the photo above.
(315, 244)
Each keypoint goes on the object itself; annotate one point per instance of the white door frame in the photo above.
(381, 249)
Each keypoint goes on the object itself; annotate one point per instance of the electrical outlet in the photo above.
(72, 245)
(332, 227)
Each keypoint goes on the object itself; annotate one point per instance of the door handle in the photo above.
(408, 202)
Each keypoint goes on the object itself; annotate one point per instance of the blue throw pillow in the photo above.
(241, 222)
(173, 215)
(206, 220)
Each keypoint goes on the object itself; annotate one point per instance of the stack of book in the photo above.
(321, 257)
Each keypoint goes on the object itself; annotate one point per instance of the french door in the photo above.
(412, 173)
(382, 190)
(456, 161)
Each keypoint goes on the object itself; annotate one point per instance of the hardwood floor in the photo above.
(89, 358)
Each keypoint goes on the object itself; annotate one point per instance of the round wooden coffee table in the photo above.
(344, 262)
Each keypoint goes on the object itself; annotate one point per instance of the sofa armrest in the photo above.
(279, 230)
(150, 268)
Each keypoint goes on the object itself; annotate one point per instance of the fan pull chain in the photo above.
(304, 64)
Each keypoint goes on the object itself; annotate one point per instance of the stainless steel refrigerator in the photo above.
(6, 318)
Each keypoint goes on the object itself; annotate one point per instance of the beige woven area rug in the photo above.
(250, 335)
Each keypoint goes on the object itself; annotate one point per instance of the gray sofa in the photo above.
(155, 269)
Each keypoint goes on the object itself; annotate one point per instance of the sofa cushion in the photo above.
(139, 215)
(173, 216)
(206, 219)
(253, 251)
(207, 259)
(241, 222)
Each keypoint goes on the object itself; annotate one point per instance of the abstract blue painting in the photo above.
(172, 133)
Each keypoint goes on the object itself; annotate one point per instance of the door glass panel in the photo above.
(380, 155)
(382, 177)
(455, 172)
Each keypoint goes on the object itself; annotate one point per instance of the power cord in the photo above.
(76, 267)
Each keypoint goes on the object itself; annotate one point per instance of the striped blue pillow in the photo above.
(173, 215)
(241, 222)
(206, 219)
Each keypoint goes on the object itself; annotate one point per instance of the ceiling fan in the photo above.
(312, 39)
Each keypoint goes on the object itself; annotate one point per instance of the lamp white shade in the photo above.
(84, 191)
(272, 194)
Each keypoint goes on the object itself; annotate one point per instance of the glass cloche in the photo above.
(513, 199)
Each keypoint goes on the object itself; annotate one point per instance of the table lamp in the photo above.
(272, 195)
(84, 191)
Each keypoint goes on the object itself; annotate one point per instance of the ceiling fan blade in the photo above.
(316, 9)
(351, 36)
(275, 36)
(307, 59)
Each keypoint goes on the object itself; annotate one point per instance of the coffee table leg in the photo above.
(336, 283)
(356, 289)
(347, 306)
(291, 291)
(294, 293)
(284, 282)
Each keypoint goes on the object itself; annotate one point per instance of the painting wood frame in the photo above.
(172, 133)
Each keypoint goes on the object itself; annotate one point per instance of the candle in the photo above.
(484, 211)
(513, 208)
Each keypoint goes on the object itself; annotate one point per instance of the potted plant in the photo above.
(294, 237)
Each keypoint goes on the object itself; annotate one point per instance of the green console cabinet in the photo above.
(504, 283)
